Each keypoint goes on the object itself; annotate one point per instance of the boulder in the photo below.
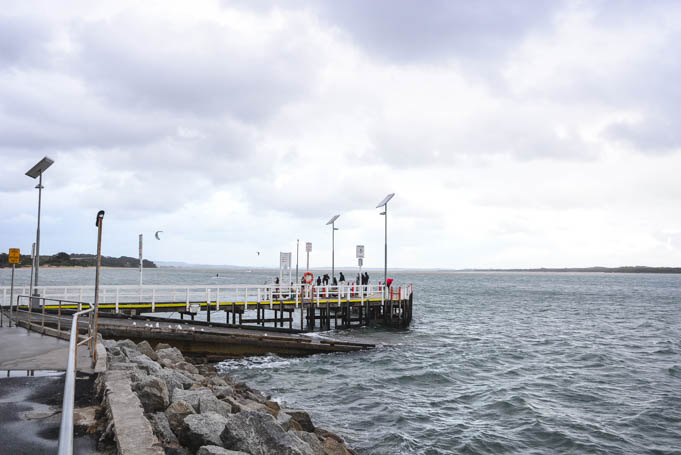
(212, 404)
(192, 396)
(287, 422)
(333, 447)
(172, 354)
(170, 450)
(312, 440)
(207, 369)
(217, 450)
(176, 413)
(202, 430)
(240, 404)
(152, 393)
(167, 363)
(161, 426)
(146, 364)
(258, 434)
(216, 381)
(186, 367)
(323, 434)
(145, 348)
(302, 417)
(108, 344)
(160, 346)
(223, 391)
(126, 344)
(174, 380)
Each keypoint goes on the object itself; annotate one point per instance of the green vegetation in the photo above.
(77, 260)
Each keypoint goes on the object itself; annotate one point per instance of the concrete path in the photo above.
(21, 349)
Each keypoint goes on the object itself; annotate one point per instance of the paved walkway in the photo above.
(21, 349)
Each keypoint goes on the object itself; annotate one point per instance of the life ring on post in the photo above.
(308, 277)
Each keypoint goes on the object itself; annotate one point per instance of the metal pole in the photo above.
(297, 250)
(307, 269)
(100, 219)
(30, 290)
(37, 234)
(333, 250)
(11, 296)
(141, 256)
(385, 263)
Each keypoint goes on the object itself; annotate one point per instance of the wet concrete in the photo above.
(30, 413)
(21, 349)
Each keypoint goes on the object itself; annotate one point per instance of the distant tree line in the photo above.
(77, 260)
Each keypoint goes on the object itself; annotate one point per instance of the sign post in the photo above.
(14, 258)
(141, 256)
(359, 252)
(308, 248)
(284, 266)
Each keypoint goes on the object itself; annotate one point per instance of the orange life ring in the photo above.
(308, 277)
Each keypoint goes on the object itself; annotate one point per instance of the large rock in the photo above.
(146, 364)
(202, 430)
(192, 397)
(186, 367)
(172, 354)
(126, 344)
(333, 447)
(302, 417)
(212, 404)
(217, 450)
(223, 391)
(161, 426)
(216, 381)
(174, 380)
(287, 422)
(160, 346)
(312, 440)
(145, 348)
(153, 393)
(258, 434)
(240, 404)
(176, 413)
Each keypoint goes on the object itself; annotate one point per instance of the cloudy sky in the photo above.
(515, 134)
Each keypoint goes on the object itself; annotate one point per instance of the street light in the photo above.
(332, 222)
(384, 203)
(37, 172)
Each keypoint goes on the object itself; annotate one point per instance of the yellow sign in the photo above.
(14, 257)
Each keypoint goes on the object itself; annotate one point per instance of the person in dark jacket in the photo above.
(319, 281)
(342, 278)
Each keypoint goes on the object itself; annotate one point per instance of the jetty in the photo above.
(297, 308)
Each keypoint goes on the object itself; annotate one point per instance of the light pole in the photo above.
(332, 222)
(37, 172)
(384, 203)
(297, 250)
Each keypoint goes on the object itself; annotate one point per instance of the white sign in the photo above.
(285, 260)
(360, 251)
(360, 262)
(308, 247)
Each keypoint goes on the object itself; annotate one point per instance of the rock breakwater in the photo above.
(157, 402)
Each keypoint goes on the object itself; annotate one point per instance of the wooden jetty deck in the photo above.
(209, 341)
(307, 307)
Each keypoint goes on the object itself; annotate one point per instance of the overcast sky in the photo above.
(515, 134)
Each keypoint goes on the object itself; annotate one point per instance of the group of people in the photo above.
(326, 279)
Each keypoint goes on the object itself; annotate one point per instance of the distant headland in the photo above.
(77, 260)
(625, 269)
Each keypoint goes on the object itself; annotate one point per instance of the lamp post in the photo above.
(384, 203)
(332, 222)
(37, 172)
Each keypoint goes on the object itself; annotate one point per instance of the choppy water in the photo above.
(493, 363)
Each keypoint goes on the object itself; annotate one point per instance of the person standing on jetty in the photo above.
(319, 281)
(342, 278)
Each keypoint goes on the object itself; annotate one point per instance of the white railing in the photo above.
(225, 294)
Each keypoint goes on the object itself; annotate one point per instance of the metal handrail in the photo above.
(66, 426)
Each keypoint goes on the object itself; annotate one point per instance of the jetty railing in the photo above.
(112, 295)
(66, 426)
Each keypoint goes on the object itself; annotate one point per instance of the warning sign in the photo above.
(14, 256)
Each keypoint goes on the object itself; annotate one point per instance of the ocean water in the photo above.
(516, 363)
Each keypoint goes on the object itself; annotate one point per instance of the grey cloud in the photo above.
(22, 41)
(202, 70)
(405, 30)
